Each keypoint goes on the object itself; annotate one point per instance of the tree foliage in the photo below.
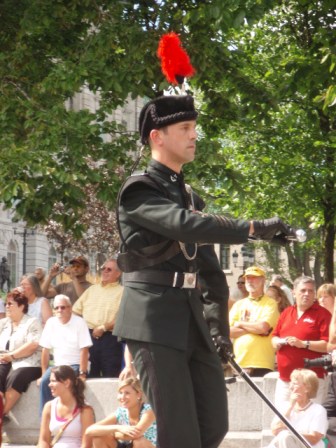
(276, 138)
(265, 85)
(49, 51)
(96, 231)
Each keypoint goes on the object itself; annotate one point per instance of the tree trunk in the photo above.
(329, 244)
(317, 270)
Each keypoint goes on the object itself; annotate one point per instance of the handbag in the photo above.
(57, 436)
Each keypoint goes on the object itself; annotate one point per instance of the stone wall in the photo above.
(249, 416)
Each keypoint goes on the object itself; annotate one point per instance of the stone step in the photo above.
(242, 439)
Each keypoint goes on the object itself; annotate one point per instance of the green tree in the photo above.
(275, 144)
(48, 51)
(266, 100)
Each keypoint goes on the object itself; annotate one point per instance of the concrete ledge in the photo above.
(24, 424)
(248, 414)
(266, 437)
(242, 439)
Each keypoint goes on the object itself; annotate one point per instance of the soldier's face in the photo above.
(178, 141)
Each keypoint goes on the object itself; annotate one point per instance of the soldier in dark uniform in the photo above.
(166, 251)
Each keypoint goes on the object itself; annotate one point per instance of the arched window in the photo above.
(13, 263)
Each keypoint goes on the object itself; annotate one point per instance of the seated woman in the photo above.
(66, 418)
(20, 356)
(307, 417)
(131, 425)
(38, 306)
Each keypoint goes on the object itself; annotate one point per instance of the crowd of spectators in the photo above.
(272, 328)
(71, 331)
(303, 330)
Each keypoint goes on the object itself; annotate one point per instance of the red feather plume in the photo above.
(175, 62)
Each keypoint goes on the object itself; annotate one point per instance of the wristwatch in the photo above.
(83, 372)
(307, 345)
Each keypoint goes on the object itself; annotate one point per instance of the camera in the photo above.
(324, 361)
(282, 341)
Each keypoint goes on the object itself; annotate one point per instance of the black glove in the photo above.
(224, 347)
(273, 229)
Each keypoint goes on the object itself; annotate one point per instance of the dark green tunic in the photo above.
(150, 213)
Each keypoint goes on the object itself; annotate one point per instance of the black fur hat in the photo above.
(165, 110)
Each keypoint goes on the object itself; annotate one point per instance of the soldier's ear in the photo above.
(155, 136)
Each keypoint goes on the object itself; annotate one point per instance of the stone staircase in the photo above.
(249, 416)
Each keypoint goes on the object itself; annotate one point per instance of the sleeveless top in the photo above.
(72, 436)
(35, 309)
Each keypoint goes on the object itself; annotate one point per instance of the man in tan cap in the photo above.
(251, 323)
(77, 271)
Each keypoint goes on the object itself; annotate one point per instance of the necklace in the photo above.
(299, 409)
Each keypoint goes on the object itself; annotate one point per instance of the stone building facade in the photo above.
(27, 248)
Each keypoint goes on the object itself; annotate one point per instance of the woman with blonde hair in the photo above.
(131, 425)
(326, 296)
(307, 417)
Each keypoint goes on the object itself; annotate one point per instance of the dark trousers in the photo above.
(105, 356)
(186, 390)
(2, 283)
(18, 379)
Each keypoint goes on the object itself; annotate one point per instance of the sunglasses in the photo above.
(60, 307)
(240, 283)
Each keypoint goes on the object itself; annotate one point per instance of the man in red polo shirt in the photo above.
(302, 332)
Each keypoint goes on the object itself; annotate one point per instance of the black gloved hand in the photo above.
(273, 229)
(224, 347)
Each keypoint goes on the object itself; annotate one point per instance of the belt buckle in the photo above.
(189, 280)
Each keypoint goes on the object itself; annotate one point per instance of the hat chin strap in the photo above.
(137, 160)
